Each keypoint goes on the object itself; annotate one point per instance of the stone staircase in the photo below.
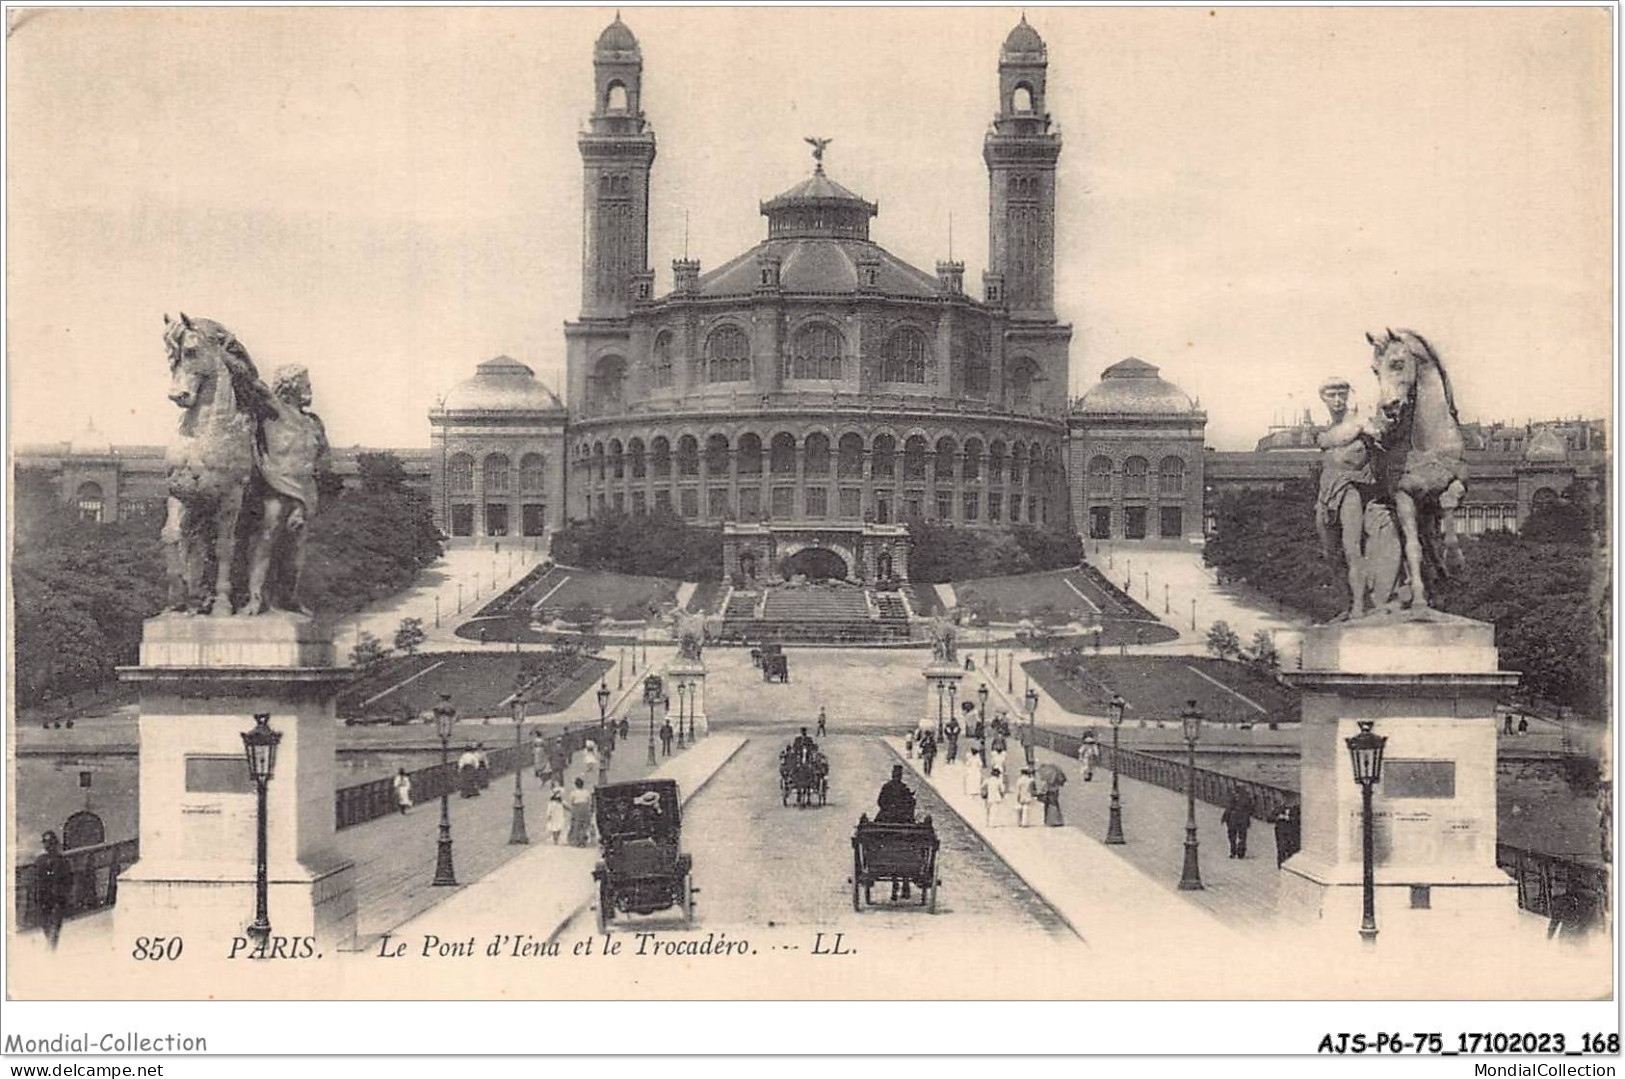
(815, 614)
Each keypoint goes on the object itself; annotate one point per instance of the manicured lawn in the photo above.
(1072, 592)
(707, 597)
(1157, 687)
(480, 683)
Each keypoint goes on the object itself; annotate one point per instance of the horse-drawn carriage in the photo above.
(773, 661)
(904, 854)
(804, 775)
(642, 867)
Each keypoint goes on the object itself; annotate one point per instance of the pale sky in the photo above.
(392, 196)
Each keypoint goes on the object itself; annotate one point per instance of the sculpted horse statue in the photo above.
(210, 460)
(1422, 467)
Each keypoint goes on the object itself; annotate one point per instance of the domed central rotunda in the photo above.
(817, 391)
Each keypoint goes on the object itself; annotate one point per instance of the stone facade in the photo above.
(1136, 459)
(817, 378)
(759, 554)
(497, 463)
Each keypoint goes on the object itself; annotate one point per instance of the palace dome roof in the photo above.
(1134, 386)
(502, 384)
(1023, 40)
(617, 37)
(818, 231)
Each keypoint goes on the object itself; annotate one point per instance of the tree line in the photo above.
(1545, 588)
(82, 589)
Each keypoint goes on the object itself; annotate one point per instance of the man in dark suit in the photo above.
(896, 800)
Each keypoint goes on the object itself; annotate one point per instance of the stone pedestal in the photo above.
(202, 680)
(690, 672)
(939, 677)
(1430, 686)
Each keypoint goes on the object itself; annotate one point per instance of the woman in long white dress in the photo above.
(971, 769)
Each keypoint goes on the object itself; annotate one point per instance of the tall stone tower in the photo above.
(617, 150)
(1021, 152)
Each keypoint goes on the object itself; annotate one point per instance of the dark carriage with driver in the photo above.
(774, 663)
(903, 854)
(804, 775)
(642, 867)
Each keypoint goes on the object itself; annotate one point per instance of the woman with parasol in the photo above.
(1051, 779)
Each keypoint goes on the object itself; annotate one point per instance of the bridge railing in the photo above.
(92, 876)
(1547, 883)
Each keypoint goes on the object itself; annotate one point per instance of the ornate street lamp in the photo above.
(654, 693)
(693, 701)
(1365, 753)
(603, 706)
(444, 716)
(682, 695)
(981, 701)
(620, 677)
(1031, 699)
(1010, 673)
(941, 689)
(953, 698)
(1114, 825)
(259, 745)
(1190, 877)
(517, 834)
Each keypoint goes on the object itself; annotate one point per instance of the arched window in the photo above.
(716, 456)
(1019, 375)
(749, 458)
(1135, 470)
(606, 388)
(460, 473)
(727, 353)
(617, 459)
(660, 453)
(995, 462)
(973, 459)
(1171, 476)
(1018, 463)
(914, 458)
(782, 455)
(817, 459)
(849, 456)
(634, 450)
(973, 364)
(688, 456)
(816, 352)
(533, 473)
(88, 499)
(885, 456)
(1100, 475)
(496, 472)
(1021, 98)
(662, 360)
(597, 463)
(903, 357)
(944, 465)
(615, 99)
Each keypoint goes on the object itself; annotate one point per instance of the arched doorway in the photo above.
(816, 564)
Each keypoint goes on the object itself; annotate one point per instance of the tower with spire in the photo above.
(617, 152)
(1021, 150)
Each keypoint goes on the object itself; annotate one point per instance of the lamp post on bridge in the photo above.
(981, 701)
(1114, 825)
(1010, 673)
(682, 695)
(1031, 699)
(654, 693)
(953, 698)
(1365, 753)
(1190, 875)
(445, 876)
(517, 834)
(620, 677)
(259, 745)
(603, 707)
